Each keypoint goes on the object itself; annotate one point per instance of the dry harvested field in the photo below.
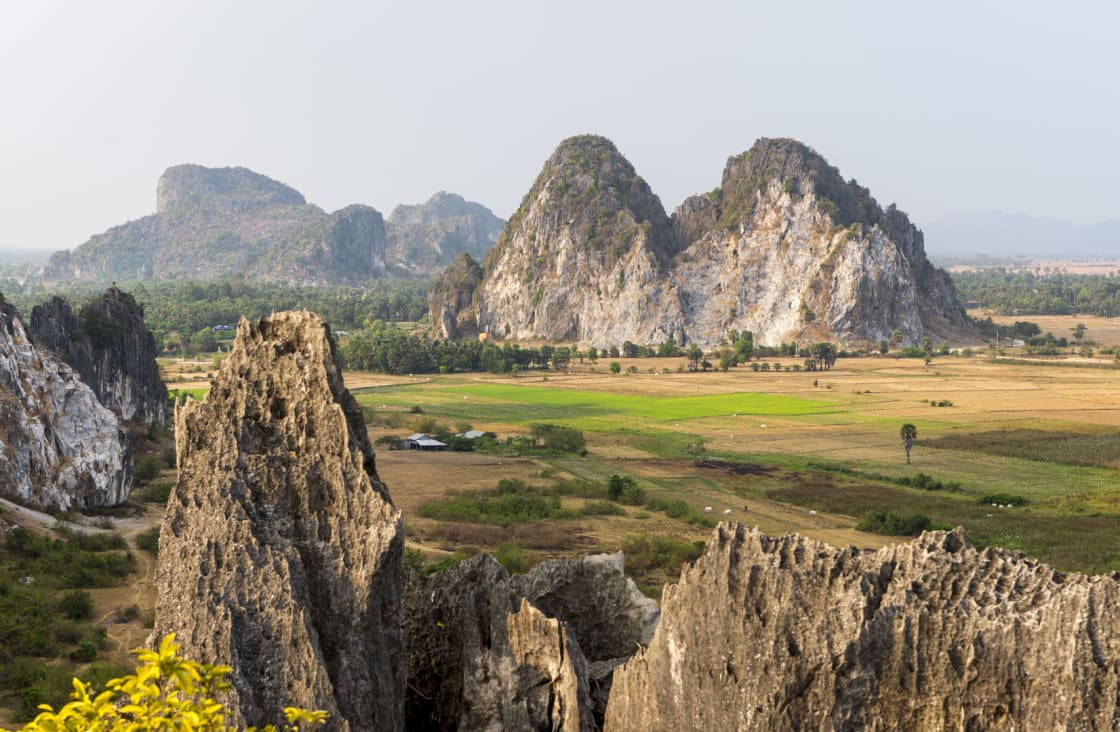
(827, 442)
(1069, 266)
(1104, 331)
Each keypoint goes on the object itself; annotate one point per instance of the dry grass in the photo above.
(865, 400)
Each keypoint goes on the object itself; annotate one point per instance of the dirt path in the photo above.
(140, 591)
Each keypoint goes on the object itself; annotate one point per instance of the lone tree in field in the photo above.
(908, 433)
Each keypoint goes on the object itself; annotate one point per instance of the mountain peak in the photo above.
(227, 189)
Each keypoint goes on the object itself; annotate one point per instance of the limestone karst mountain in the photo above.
(280, 553)
(792, 634)
(784, 248)
(223, 221)
(429, 236)
(107, 342)
(60, 449)
(584, 257)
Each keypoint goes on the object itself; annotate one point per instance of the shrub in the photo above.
(511, 557)
(76, 605)
(601, 508)
(147, 468)
(1004, 499)
(157, 493)
(166, 692)
(85, 652)
(127, 614)
(149, 541)
(893, 523)
(644, 554)
(558, 437)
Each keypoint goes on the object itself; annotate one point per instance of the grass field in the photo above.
(825, 442)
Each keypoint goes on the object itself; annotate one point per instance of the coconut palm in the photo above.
(908, 433)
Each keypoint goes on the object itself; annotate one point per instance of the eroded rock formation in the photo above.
(792, 634)
(527, 652)
(110, 346)
(450, 310)
(429, 236)
(583, 257)
(280, 553)
(59, 447)
(213, 222)
(784, 248)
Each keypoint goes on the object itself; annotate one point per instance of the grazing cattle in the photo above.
(707, 509)
(812, 513)
(726, 511)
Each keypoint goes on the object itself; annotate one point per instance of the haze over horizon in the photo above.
(941, 109)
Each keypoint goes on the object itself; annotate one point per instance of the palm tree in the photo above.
(909, 433)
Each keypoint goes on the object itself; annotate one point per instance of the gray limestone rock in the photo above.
(427, 237)
(792, 634)
(532, 651)
(280, 553)
(59, 447)
(784, 248)
(109, 345)
(450, 298)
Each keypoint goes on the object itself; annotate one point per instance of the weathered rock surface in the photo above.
(583, 258)
(798, 254)
(428, 237)
(784, 248)
(450, 299)
(792, 634)
(211, 222)
(529, 652)
(280, 553)
(59, 447)
(110, 346)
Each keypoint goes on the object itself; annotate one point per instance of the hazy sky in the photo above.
(938, 106)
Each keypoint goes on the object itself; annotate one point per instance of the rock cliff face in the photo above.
(791, 634)
(109, 345)
(280, 553)
(426, 238)
(222, 221)
(450, 300)
(61, 449)
(787, 249)
(784, 248)
(586, 250)
(527, 652)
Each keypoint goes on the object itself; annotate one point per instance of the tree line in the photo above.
(182, 313)
(1029, 293)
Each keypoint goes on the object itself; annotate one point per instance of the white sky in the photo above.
(938, 106)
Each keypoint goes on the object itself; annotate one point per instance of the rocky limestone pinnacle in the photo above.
(60, 448)
(280, 553)
(107, 342)
(792, 634)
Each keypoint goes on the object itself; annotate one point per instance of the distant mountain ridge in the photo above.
(220, 221)
(429, 236)
(784, 248)
(974, 233)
